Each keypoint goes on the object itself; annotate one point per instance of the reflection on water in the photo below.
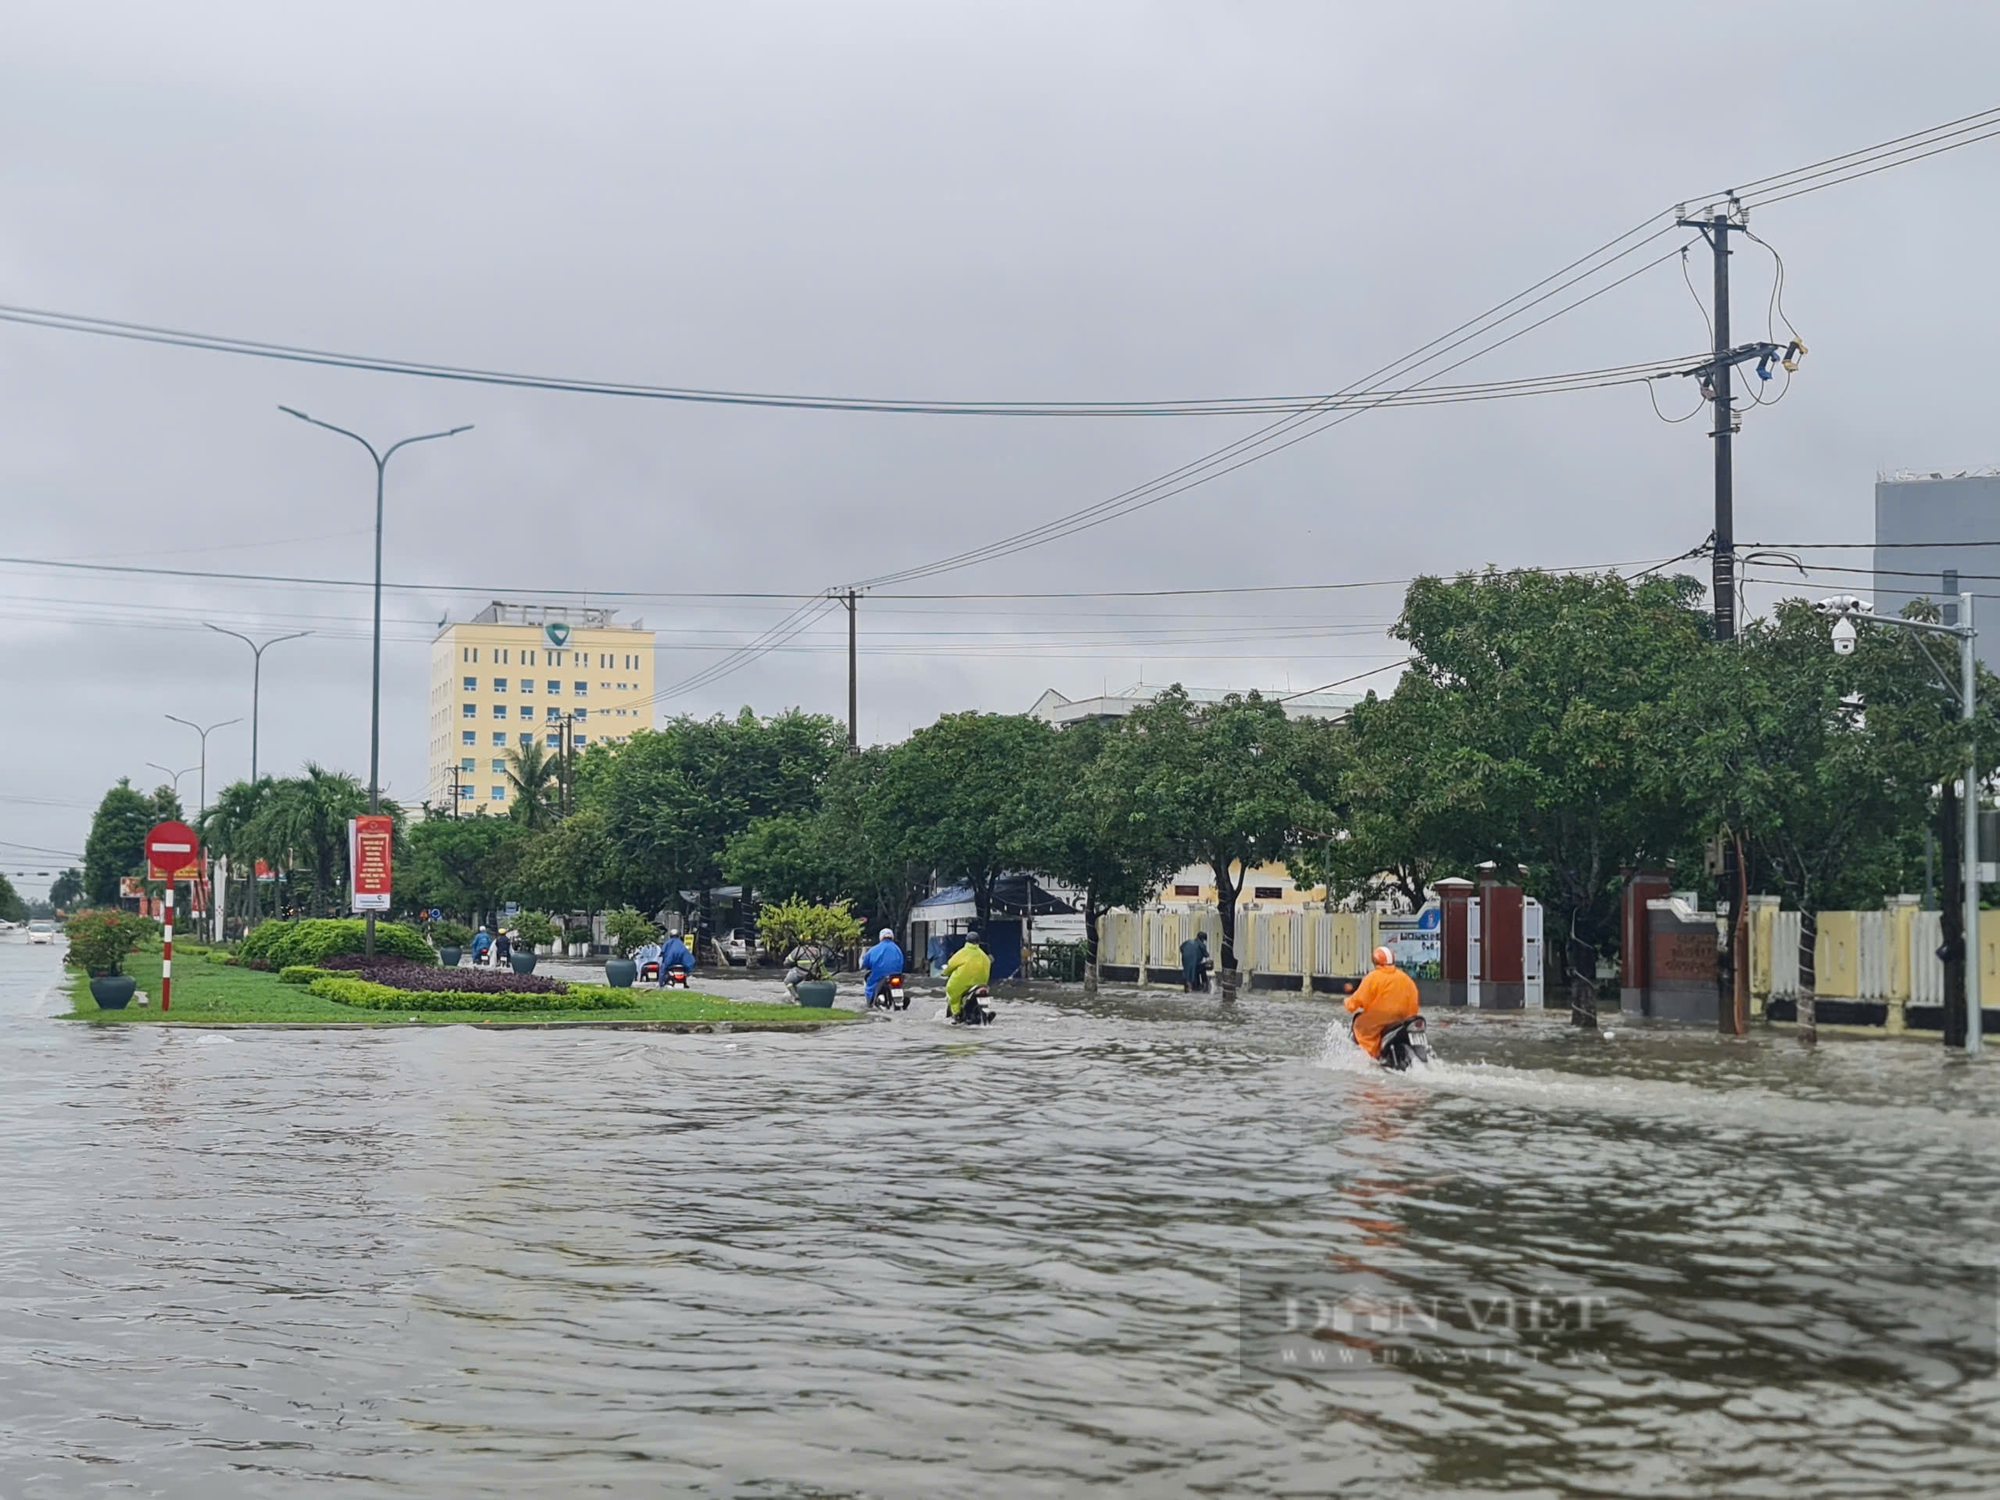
(904, 1260)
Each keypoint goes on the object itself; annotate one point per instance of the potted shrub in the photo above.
(628, 932)
(812, 939)
(98, 944)
(451, 938)
(532, 930)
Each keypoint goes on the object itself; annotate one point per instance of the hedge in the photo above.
(369, 996)
(281, 945)
(299, 974)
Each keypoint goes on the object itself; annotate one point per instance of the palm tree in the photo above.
(531, 779)
(304, 821)
(230, 827)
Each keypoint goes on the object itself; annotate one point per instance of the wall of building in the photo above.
(1920, 526)
(507, 684)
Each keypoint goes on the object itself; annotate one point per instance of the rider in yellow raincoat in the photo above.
(1386, 996)
(964, 971)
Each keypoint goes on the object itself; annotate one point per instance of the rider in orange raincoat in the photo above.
(1386, 996)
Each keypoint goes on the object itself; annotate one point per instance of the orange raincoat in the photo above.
(1386, 996)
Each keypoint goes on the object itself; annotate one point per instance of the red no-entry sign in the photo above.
(172, 852)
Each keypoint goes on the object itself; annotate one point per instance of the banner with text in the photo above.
(370, 838)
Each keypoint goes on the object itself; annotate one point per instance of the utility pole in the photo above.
(853, 719)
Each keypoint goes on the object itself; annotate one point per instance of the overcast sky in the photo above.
(1005, 201)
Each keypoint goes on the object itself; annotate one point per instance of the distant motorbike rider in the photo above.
(879, 962)
(964, 972)
(674, 955)
(1386, 996)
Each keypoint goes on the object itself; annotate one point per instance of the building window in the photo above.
(466, 764)
(472, 684)
(527, 684)
(466, 792)
(582, 740)
(555, 742)
(499, 766)
(499, 794)
(469, 737)
(555, 688)
(500, 657)
(527, 710)
(527, 658)
(499, 684)
(583, 690)
(499, 739)
(554, 713)
(499, 710)
(1187, 890)
(1268, 893)
(581, 714)
(470, 711)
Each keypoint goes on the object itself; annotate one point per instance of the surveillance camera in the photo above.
(1843, 636)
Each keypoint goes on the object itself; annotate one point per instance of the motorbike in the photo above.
(677, 977)
(890, 995)
(1404, 1043)
(973, 1009)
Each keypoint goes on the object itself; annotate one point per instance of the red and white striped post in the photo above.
(167, 951)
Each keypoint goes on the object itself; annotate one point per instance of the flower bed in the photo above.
(400, 974)
(347, 989)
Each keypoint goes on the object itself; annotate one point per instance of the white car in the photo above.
(41, 931)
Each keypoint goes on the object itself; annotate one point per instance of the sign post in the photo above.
(370, 842)
(172, 854)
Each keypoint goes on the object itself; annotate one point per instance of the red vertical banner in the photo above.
(370, 842)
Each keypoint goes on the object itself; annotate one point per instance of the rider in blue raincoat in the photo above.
(880, 961)
(674, 954)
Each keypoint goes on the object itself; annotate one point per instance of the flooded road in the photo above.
(900, 1259)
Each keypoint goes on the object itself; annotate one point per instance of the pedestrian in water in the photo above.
(1194, 958)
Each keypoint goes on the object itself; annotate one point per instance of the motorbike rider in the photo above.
(481, 941)
(880, 961)
(674, 954)
(964, 971)
(1386, 996)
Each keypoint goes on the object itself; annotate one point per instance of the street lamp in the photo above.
(204, 733)
(1847, 611)
(375, 690)
(256, 676)
(176, 775)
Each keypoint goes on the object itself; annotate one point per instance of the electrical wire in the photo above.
(1706, 321)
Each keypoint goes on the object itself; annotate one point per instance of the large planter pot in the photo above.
(818, 993)
(112, 991)
(449, 957)
(524, 963)
(620, 972)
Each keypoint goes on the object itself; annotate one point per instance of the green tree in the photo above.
(1404, 813)
(1543, 695)
(1092, 833)
(116, 846)
(304, 819)
(12, 907)
(231, 829)
(1234, 785)
(673, 798)
(1824, 764)
(463, 865)
(958, 796)
(534, 786)
(569, 866)
(67, 890)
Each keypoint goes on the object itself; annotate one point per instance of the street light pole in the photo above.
(256, 679)
(204, 733)
(381, 459)
(176, 775)
(1846, 610)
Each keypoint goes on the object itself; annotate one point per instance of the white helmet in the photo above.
(886, 932)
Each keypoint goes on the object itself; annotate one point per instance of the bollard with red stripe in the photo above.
(171, 854)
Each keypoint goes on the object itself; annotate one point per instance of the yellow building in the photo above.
(516, 674)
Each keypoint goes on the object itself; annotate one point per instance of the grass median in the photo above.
(212, 993)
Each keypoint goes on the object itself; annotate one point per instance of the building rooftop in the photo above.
(589, 616)
(1054, 708)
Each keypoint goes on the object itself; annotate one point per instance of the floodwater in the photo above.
(905, 1260)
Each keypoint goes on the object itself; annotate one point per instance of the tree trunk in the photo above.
(1090, 916)
(1225, 906)
(1808, 978)
(1952, 919)
(1582, 977)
